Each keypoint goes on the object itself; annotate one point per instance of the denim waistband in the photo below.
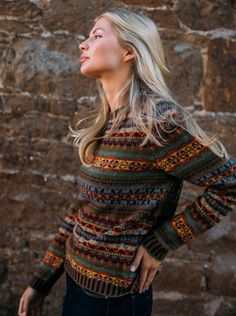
(90, 293)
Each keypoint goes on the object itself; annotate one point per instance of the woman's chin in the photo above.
(89, 73)
(84, 71)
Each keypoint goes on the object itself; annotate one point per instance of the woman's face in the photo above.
(105, 55)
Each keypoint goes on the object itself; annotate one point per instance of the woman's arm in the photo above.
(51, 266)
(184, 157)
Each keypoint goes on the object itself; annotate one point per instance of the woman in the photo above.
(135, 152)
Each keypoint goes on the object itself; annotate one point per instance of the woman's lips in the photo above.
(83, 59)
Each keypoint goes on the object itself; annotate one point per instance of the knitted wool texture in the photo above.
(129, 198)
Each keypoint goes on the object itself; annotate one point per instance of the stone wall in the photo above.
(41, 90)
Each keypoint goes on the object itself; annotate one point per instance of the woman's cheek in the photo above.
(113, 58)
(108, 52)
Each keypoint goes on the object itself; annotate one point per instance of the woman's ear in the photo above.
(129, 54)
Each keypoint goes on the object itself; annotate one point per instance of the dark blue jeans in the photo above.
(80, 302)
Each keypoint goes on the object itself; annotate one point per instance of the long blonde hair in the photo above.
(144, 88)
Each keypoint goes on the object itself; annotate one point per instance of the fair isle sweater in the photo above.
(129, 198)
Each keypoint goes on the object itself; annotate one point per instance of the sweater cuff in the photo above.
(153, 246)
(40, 285)
(44, 286)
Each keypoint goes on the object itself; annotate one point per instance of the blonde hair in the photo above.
(144, 88)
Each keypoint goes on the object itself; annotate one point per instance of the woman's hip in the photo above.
(81, 302)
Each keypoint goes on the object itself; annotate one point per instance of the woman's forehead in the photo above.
(103, 24)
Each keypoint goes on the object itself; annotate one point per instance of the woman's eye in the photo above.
(97, 36)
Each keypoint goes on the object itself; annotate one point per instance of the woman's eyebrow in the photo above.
(98, 28)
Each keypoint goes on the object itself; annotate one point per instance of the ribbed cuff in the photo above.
(153, 246)
(39, 284)
(44, 286)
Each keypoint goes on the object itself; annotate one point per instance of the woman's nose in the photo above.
(83, 46)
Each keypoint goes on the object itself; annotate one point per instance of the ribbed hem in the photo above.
(98, 286)
(154, 247)
(44, 286)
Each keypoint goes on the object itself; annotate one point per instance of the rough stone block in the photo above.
(218, 85)
(182, 276)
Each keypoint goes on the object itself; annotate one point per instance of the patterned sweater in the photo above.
(129, 198)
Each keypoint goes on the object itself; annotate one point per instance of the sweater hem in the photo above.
(97, 286)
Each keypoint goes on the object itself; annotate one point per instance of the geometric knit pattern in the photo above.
(128, 198)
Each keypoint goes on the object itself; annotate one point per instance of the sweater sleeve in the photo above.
(186, 158)
(51, 267)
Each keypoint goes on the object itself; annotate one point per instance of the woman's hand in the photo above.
(31, 303)
(149, 268)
